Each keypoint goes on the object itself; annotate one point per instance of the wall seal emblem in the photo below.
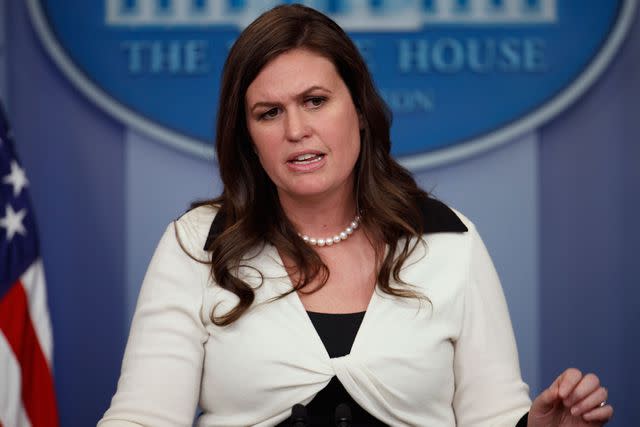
(460, 76)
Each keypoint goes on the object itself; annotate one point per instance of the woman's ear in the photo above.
(360, 119)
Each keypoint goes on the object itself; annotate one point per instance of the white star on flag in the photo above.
(16, 178)
(12, 221)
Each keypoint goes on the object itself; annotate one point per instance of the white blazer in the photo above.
(450, 362)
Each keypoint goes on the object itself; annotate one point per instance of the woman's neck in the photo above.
(320, 216)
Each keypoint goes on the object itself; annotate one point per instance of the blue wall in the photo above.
(562, 199)
(589, 207)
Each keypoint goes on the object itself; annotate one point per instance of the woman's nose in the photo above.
(296, 127)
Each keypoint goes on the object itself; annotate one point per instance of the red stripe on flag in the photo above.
(38, 395)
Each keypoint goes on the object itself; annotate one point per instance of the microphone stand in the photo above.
(343, 415)
(299, 415)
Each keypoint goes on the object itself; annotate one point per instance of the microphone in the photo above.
(299, 415)
(343, 415)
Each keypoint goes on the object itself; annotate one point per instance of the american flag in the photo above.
(27, 396)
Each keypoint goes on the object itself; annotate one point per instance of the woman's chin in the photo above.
(311, 192)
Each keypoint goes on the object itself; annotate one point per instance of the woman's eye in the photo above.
(270, 114)
(315, 101)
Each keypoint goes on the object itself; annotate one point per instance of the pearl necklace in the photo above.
(343, 235)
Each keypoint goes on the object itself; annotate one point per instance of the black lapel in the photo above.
(439, 218)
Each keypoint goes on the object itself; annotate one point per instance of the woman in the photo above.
(323, 275)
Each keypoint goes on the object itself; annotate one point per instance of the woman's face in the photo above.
(304, 125)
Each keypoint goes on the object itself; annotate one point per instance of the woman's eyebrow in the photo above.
(263, 104)
(314, 88)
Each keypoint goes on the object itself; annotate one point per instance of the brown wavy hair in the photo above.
(385, 192)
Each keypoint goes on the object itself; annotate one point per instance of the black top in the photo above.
(337, 331)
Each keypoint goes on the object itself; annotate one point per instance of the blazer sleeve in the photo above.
(489, 390)
(162, 367)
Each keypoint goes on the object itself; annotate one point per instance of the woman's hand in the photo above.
(572, 400)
